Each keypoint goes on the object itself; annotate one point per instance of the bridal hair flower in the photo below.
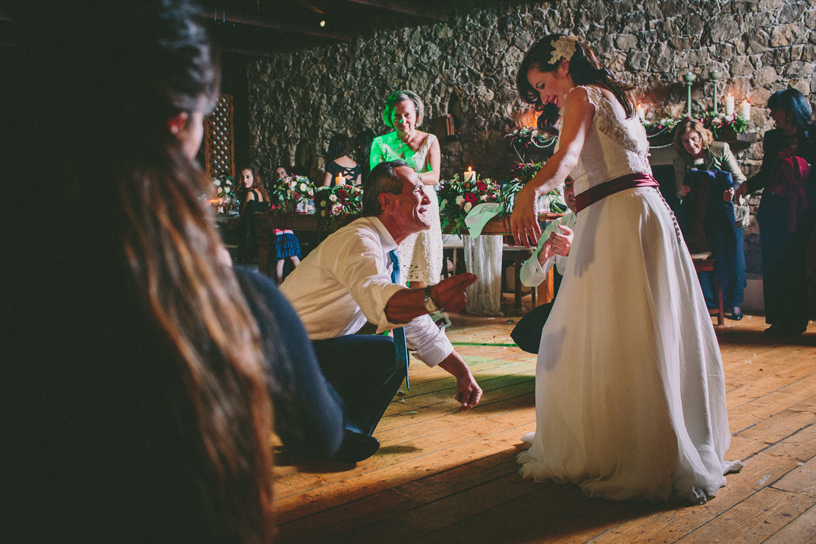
(563, 47)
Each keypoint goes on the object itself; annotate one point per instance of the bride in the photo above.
(630, 395)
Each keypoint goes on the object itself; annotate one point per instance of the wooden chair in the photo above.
(697, 243)
(517, 256)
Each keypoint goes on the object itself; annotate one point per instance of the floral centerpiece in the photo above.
(225, 200)
(660, 127)
(337, 200)
(224, 187)
(457, 198)
(526, 137)
(721, 125)
(661, 132)
(286, 194)
(522, 174)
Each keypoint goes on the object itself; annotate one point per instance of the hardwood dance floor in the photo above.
(445, 477)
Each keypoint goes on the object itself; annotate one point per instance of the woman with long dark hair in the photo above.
(135, 402)
(630, 396)
(787, 211)
(251, 189)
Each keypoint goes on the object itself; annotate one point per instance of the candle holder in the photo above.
(689, 79)
(715, 77)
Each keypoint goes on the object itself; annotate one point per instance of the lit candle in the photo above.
(340, 180)
(641, 112)
(470, 175)
(746, 109)
(729, 104)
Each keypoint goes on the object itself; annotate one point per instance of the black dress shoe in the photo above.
(356, 447)
(735, 317)
(778, 331)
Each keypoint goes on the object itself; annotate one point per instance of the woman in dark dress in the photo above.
(785, 224)
(338, 162)
(254, 198)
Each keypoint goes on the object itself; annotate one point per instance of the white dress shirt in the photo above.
(533, 272)
(346, 281)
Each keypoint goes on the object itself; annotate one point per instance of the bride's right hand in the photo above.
(524, 221)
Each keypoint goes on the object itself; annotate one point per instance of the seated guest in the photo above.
(254, 198)
(280, 172)
(353, 277)
(697, 150)
(553, 248)
(135, 406)
(338, 163)
(252, 192)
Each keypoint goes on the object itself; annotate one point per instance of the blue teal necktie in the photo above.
(400, 345)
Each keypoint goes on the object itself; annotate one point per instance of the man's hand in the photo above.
(449, 294)
(728, 195)
(545, 253)
(468, 392)
(742, 190)
(561, 242)
(684, 190)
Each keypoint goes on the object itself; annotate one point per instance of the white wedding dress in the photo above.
(630, 395)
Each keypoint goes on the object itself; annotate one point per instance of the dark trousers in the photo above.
(732, 280)
(364, 372)
(784, 263)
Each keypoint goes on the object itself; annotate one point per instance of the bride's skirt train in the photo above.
(630, 393)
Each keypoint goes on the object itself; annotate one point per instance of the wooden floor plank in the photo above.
(442, 476)
(801, 480)
(673, 524)
(801, 530)
(753, 520)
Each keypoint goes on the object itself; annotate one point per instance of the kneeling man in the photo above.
(351, 278)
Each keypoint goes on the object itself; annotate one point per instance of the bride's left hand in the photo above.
(524, 221)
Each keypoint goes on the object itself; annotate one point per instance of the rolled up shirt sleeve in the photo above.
(430, 342)
(532, 272)
(359, 268)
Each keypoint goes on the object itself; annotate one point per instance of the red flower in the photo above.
(296, 196)
(470, 197)
(481, 185)
(342, 194)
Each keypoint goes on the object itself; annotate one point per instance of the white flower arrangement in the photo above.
(563, 47)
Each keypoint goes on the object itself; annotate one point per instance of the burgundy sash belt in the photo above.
(629, 181)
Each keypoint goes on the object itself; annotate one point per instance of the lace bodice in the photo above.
(614, 146)
(415, 161)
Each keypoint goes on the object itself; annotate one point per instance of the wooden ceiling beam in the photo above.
(407, 8)
(221, 14)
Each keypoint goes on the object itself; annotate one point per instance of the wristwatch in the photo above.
(430, 305)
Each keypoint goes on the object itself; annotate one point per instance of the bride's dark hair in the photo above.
(584, 67)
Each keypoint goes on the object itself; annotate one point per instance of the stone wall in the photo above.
(299, 99)
(307, 95)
